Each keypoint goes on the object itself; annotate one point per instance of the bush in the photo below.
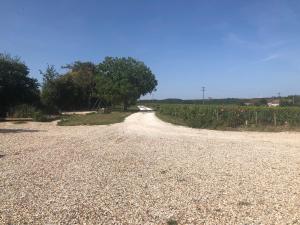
(39, 116)
(22, 111)
(28, 111)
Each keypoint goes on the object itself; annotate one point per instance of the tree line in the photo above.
(84, 85)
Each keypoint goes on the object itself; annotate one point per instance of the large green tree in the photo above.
(124, 80)
(16, 87)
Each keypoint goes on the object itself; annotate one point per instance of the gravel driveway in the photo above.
(145, 171)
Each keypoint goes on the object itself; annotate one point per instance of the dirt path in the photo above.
(145, 171)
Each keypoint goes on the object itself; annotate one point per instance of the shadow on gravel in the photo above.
(3, 131)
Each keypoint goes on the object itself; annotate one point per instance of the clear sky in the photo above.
(236, 48)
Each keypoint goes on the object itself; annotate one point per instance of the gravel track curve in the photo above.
(146, 171)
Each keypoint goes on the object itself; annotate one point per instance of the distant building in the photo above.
(274, 103)
(248, 103)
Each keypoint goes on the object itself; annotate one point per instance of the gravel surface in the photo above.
(145, 171)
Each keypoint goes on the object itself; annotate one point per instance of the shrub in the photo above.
(39, 116)
(22, 111)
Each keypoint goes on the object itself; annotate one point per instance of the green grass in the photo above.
(93, 119)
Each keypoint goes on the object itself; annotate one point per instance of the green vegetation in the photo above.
(292, 100)
(112, 82)
(84, 86)
(22, 111)
(123, 81)
(28, 112)
(16, 87)
(230, 117)
(94, 119)
(70, 91)
(119, 82)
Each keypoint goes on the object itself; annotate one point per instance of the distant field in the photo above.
(230, 116)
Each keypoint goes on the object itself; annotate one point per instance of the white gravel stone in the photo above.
(145, 171)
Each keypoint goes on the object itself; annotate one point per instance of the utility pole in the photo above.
(278, 94)
(203, 91)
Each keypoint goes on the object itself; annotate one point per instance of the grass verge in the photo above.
(93, 119)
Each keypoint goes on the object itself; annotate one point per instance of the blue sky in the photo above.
(235, 48)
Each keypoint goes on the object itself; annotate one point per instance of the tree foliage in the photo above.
(16, 87)
(113, 81)
(83, 75)
(124, 80)
(49, 95)
(70, 91)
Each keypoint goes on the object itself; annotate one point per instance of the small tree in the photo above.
(49, 91)
(49, 75)
(124, 80)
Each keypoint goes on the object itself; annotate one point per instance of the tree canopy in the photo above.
(124, 80)
(16, 87)
(114, 81)
(70, 91)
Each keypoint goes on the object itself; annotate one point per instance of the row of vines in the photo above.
(231, 116)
